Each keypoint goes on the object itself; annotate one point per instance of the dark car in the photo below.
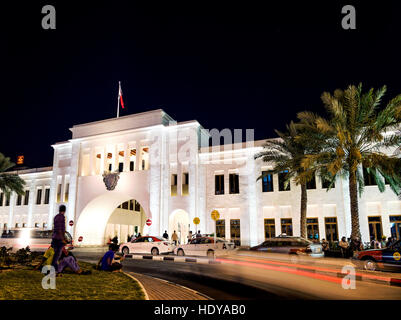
(386, 258)
(290, 245)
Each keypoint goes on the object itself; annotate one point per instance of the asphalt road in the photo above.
(247, 278)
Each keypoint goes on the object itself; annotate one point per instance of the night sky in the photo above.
(234, 66)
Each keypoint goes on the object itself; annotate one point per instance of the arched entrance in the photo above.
(95, 217)
(179, 221)
(127, 220)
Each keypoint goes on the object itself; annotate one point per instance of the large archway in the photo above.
(93, 219)
(179, 221)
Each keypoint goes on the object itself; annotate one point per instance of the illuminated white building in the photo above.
(170, 175)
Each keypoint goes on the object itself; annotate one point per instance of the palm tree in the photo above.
(287, 153)
(354, 136)
(9, 182)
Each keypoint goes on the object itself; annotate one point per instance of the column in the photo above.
(115, 158)
(138, 164)
(104, 166)
(11, 210)
(127, 154)
(31, 199)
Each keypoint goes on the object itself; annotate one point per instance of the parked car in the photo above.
(35, 239)
(384, 259)
(148, 245)
(290, 245)
(204, 246)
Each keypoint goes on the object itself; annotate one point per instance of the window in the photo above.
(59, 193)
(286, 226)
(234, 183)
(143, 164)
(44, 225)
(66, 192)
(36, 225)
(19, 200)
(368, 178)
(47, 195)
(120, 166)
(312, 183)
(235, 230)
(185, 183)
(131, 205)
(1, 199)
(110, 167)
(173, 185)
(221, 228)
(5, 226)
(17, 225)
(219, 184)
(267, 181)
(26, 198)
(281, 181)
(331, 229)
(312, 229)
(39, 196)
(131, 165)
(270, 228)
(7, 200)
(137, 206)
(24, 225)
(125, 205)
(375, 228)
(395, 227)
(326, 183)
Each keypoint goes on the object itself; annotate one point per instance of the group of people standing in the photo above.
(175, 238)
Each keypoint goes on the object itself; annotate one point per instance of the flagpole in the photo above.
(118, 99)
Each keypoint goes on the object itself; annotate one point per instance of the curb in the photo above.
(360, 277)
(173, 259)
(140, 284)
(184, 287)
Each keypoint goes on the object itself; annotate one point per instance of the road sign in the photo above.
(71, 223)
(196, 220)
(80, 238)
(215, 215)
(148, 222)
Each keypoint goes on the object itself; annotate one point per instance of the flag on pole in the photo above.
(120, 95)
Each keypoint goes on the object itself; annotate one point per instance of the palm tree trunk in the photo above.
(304, 202)
(353, 195)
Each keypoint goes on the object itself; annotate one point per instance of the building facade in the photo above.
(117, 174)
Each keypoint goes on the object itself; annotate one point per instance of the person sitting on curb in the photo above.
(108, 263)
(66, 260)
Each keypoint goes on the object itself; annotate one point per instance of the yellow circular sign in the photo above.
(196, 220)
(215, 215)
(397, 256)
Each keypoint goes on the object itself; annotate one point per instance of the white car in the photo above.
(147, 245)
(204, 246)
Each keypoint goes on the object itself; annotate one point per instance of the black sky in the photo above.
(243, 65)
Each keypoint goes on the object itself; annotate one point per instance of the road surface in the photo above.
(243, 277)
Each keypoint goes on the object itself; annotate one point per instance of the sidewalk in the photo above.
(158, 289)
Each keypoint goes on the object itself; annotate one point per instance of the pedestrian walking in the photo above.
(165, 234)
(174, 237)
(343, 244)
(58, 240)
